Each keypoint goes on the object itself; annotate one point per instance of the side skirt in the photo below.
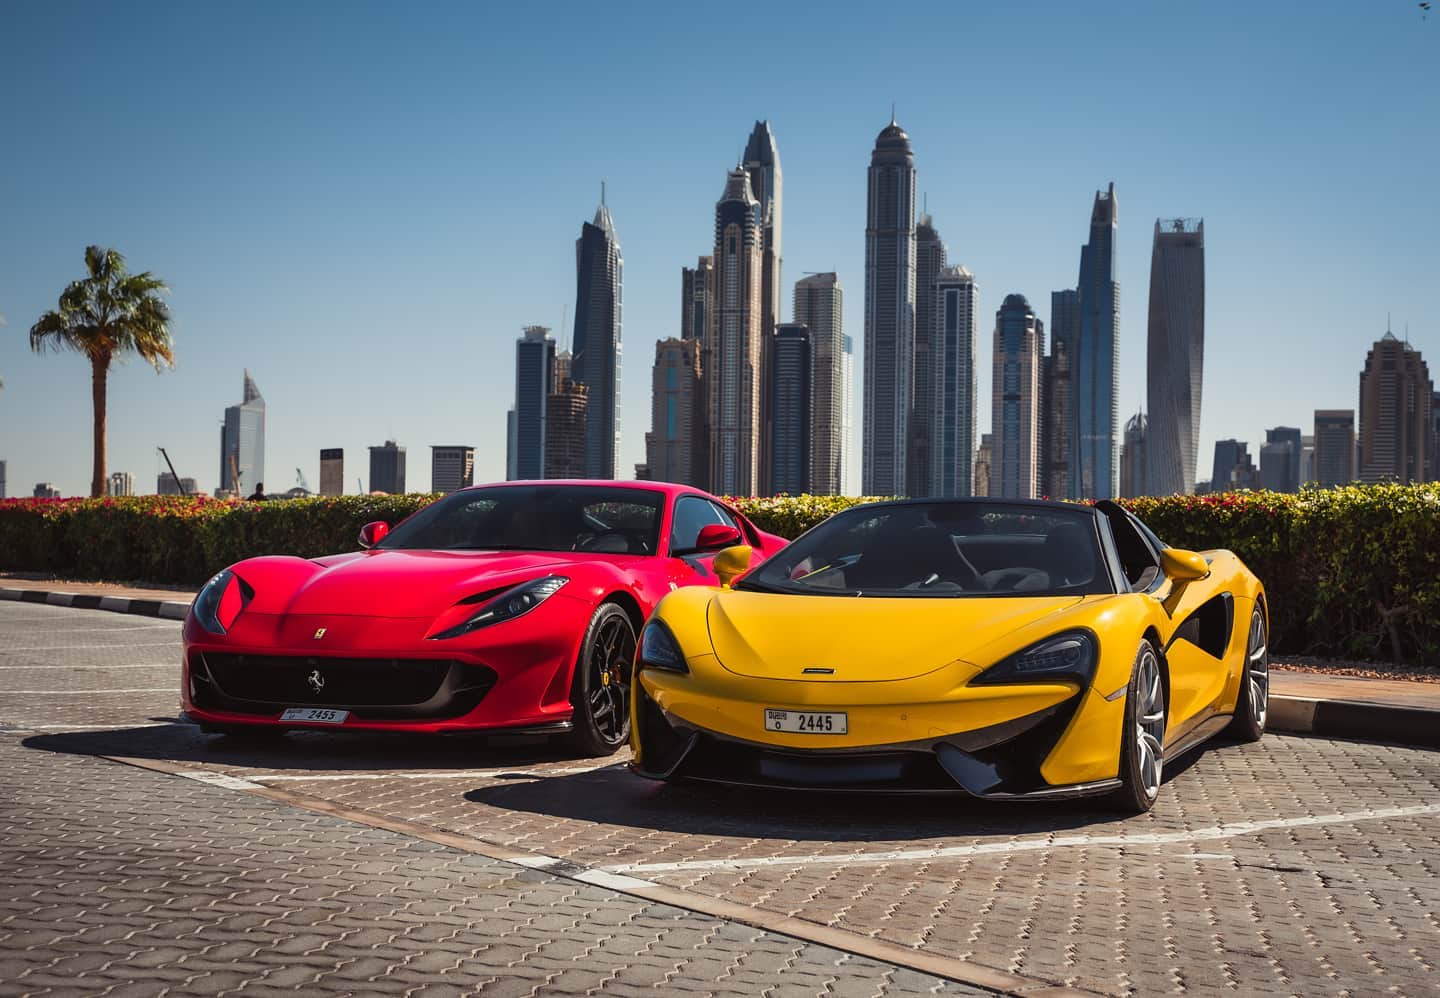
(1203, 732)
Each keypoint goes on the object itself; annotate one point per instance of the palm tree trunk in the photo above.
(99, 372)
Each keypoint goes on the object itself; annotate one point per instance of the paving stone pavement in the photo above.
(115, 880)
(1295, 866)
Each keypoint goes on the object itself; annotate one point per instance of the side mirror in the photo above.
(717, 537)
(1183, 566)
(732, 563)
(373, 533)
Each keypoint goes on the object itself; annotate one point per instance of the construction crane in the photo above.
(178, 484)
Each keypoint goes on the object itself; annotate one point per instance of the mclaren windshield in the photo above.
(599, 519)
(942, 549)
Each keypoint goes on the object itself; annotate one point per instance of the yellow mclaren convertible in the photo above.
(1003, 649)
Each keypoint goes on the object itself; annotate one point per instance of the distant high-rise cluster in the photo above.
(120, 483)
(242, 442)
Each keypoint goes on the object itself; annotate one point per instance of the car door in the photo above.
(1194, 660)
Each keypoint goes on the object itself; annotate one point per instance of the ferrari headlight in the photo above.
(1070, 655)
(220, 601)
(660, 650)
(513, 602)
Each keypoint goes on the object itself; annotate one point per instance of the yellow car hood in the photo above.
(863, 639)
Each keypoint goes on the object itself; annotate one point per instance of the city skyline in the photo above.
(316, 321)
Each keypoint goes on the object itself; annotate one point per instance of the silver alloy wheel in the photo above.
(1150, 723)
(1257, 657)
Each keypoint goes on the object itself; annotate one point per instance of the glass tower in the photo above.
(242, 442)
(599, 295)
(1097, 358)
(1175, 354)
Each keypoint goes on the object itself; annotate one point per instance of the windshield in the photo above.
(941, 549)
(600, 519)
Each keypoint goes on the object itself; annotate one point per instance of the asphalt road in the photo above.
(1296, 866)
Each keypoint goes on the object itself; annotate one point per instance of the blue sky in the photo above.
(363, 204)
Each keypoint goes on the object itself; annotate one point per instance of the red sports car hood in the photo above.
(393, 583)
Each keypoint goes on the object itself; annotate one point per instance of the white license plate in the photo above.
(805, 722)
(318, 715)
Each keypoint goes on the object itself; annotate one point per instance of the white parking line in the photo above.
(101, 629)
(125, 726)
(76, 693)
(82, 668)
(1030, 845)
(107, 647)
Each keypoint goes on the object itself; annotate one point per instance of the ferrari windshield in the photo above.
(599, 519)
(942, 549)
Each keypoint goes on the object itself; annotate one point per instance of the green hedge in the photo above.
(1351, 572)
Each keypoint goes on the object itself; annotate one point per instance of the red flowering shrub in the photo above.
(1352, 572)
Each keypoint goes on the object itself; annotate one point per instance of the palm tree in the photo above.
(107, 315)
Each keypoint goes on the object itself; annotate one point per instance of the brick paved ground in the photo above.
(1296, 866)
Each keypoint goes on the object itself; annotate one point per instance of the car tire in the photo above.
(600, 691)
(1252, 707)
(1142, 743)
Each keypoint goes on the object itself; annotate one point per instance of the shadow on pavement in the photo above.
(306, 750)
(614, 796)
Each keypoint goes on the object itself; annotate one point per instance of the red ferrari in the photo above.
(508, 607)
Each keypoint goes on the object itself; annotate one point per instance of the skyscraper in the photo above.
(1228, 455)
(534, 381)
(952, 413)
(1134, 455)
(1096, 360)
(849, 473)
(818, 306)
(565, 431)
(792, 407)
(242, 441)
(762, 166)
(697, 298)
(1334, 447)
(120, 483)
(1016, 401)
(167, 484)
(332, 471)
(731, 357)
(599, 294)
(675, 406)
(983, 462)
(1395, 398)
(1175, 354)
(920, 469)
(387, 468)
(3, 493)
(1058, 424)
(889, 313)
(1280, 460)
(452, 467)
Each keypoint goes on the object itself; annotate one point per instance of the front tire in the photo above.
(1142, 745)
(1253, 704)
(600, 692)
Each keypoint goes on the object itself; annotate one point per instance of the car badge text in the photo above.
(316, 681)
(319, 633)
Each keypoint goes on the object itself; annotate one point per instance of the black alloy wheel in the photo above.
(600, 693)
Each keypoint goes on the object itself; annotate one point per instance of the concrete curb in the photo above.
(1371, 722)
(168, 609)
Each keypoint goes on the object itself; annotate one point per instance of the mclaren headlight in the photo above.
(513, 602)
(220, 601)
(659, 649)
(1069, 656)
